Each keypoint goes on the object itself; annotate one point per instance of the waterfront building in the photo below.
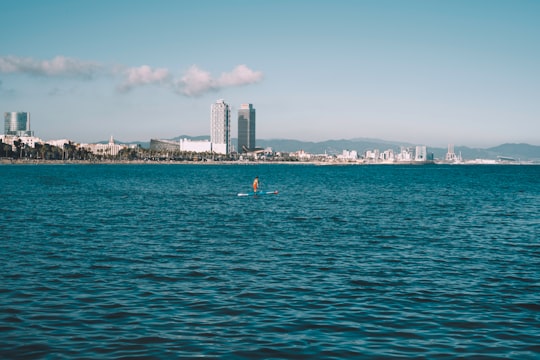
(301, 155)
(29, 141)
(451, 155)
(110, 149)
(220, 127)
(197, 146)
(372, 155)
(58, 143)
(347, 155)
(17, 124)
(164, 145)
(246, 128)
(184, 145)
(421, 153)
(387, 156)
(405, 155)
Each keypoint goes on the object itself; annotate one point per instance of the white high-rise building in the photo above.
(421, 153)
(220, 127)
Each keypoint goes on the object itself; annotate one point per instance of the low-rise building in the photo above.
(198, 146)
(29, 141)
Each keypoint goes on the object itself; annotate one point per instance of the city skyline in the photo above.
(418, 71)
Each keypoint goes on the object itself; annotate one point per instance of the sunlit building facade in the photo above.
(220, 127)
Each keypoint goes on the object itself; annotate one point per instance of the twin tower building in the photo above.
(220, 127)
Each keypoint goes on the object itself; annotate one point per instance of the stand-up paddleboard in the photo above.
(260, 192)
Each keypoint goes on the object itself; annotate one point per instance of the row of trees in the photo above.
(43, 151)
(72, 152)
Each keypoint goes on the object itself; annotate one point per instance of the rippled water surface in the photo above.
(165, 261)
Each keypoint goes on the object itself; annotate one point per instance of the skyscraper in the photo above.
(246, 127)
(17, 124)
(220, 127)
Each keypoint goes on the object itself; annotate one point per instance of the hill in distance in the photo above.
(515, 151)
(524, 152)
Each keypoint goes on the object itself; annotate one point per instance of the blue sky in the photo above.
(421, 71)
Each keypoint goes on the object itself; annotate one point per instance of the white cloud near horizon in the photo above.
(194, 82)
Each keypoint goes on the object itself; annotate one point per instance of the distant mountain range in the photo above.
(524, 152)
(515, 151)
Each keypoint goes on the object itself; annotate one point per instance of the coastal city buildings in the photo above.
(246, 128)
(18, 135)
(220, 127)
(220, 135)
(19, 143)
(416, 155)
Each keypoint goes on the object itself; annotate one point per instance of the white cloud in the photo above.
(58, 66)
(196, 81)
(144, 75)
(241, 75)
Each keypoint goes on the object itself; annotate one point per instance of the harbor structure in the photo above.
(246, 128)
(17, 124)
(220, 127)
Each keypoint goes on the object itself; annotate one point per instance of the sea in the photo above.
(165, 261)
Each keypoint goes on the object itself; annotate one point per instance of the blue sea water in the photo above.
(165, 261)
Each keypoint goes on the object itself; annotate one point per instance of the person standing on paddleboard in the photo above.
(255, 184)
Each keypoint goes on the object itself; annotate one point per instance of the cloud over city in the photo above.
(194, 82)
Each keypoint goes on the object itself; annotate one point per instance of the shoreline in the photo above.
(247, 163)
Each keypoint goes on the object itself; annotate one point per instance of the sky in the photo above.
(429, 72)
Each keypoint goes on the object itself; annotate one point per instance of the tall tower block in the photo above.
(220, 127)
(246, 127)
